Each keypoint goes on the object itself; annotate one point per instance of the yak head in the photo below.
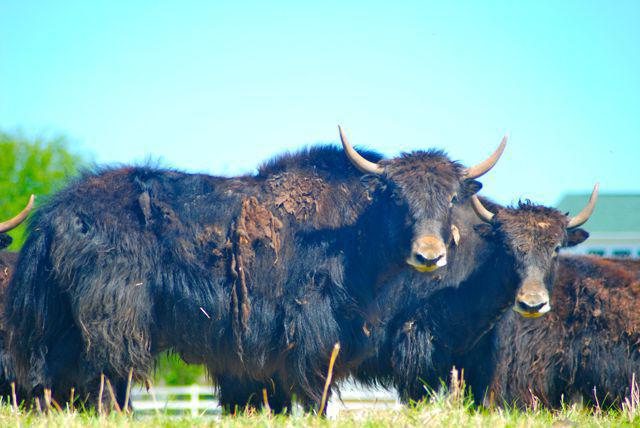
(6, 226)
(532, 235)
(418, 191)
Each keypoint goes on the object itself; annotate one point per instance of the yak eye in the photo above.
(556, 251)
(454, 199)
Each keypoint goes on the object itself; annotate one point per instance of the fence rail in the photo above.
(202, 400)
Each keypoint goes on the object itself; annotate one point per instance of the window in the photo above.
(623, 254)
(596, 252)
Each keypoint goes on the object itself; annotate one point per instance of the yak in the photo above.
(255, 276)
(586, 350)
(7, 264)
(514, 259)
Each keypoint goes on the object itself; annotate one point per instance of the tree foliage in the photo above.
(171, 370)
(28, 166)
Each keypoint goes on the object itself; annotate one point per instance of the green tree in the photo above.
(171, 370)
(28, 166)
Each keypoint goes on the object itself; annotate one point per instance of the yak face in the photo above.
(426, 185)
(531, 236)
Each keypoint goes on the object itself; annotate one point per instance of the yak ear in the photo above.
(5, 241)
(372, 183)
(575, 237)
(469, 187)
(484, 229)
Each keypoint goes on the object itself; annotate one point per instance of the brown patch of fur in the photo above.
(592, 290)
(298, 195)
(255, 223)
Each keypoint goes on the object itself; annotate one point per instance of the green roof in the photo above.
(614, 213)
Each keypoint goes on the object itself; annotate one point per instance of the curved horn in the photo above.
(15, 222)
(586, 212)
(358, 161)
(484, 167)
(484, 214)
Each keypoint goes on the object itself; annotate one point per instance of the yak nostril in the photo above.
(530, 308)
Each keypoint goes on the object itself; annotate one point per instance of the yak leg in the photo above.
(237, 395)
(100, 393)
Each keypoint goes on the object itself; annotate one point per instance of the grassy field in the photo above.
(445, 410)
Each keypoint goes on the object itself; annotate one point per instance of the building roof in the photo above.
(614, 213)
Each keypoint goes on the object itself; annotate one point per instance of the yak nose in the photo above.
(429, 260)
(428, 254)
(526, 307)
(532, 305)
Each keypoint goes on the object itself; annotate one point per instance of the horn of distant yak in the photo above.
(484, 167)
(484, 214)
(15, 222)
(586, 212)
(358, 161)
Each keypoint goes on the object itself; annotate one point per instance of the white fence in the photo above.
(201, 400)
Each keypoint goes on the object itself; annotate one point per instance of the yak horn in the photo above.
(484, 167)
(586, 212)
(358, 161)
(15, 222)
(484, 214)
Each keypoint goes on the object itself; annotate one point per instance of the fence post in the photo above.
(195, 398)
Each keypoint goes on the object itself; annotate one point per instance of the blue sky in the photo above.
(221, 86)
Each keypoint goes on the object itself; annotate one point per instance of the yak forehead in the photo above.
(426, 179)
(531, 227)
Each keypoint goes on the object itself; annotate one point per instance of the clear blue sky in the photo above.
(221, 86)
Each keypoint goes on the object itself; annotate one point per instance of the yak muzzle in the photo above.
(428, 254)
(532, 303)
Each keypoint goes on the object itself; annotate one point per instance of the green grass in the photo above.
(443, 410)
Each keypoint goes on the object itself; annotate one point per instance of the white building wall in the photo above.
(609, 245)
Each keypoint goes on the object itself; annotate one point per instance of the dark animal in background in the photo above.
(256, 276)
(8, 262)
(515, 261)
(587, 349)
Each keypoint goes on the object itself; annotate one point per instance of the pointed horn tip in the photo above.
(486, 165)
(586, 212)
(594, 193)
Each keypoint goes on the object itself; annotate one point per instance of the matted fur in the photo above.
(241, 274)
(418, 343)
(587, 349)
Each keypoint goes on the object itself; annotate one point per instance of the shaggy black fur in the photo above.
(586, 349)
(7, 264)
(419, 343)
(257, 277)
